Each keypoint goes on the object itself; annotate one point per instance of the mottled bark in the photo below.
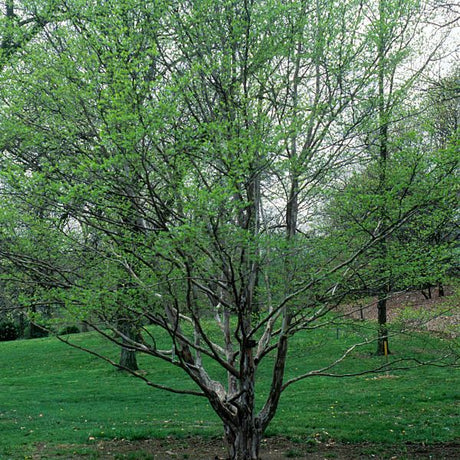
(243, 437)
(243, 443)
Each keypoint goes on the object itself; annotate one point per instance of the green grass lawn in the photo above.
(51, 393)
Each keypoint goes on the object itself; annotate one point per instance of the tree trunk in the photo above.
(440, 290)
(243, 430)
(382, 340)
(426, 295)
(382, 337)
(243, 441)
(22, 325)
(128, 359)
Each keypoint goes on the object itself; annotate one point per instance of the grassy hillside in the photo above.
(51, 393)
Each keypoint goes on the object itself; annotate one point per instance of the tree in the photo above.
(175, 150)
(395, 27)
(415, 178)
(421, 205)
(442, 106)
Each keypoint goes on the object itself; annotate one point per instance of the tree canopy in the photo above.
(166, 165)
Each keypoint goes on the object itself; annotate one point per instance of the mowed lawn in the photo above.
(54, 394)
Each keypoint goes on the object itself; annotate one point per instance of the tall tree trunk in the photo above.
(382, 247)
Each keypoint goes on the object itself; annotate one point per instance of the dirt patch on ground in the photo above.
(271, 449)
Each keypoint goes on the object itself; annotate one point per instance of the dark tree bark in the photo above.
(440, 290)
(128, 359)
(427, 294)
(382, 248)
(382, 341)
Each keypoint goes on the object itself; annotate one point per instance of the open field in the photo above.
(58, 402)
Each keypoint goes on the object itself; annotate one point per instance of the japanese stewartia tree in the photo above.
(169, 158)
